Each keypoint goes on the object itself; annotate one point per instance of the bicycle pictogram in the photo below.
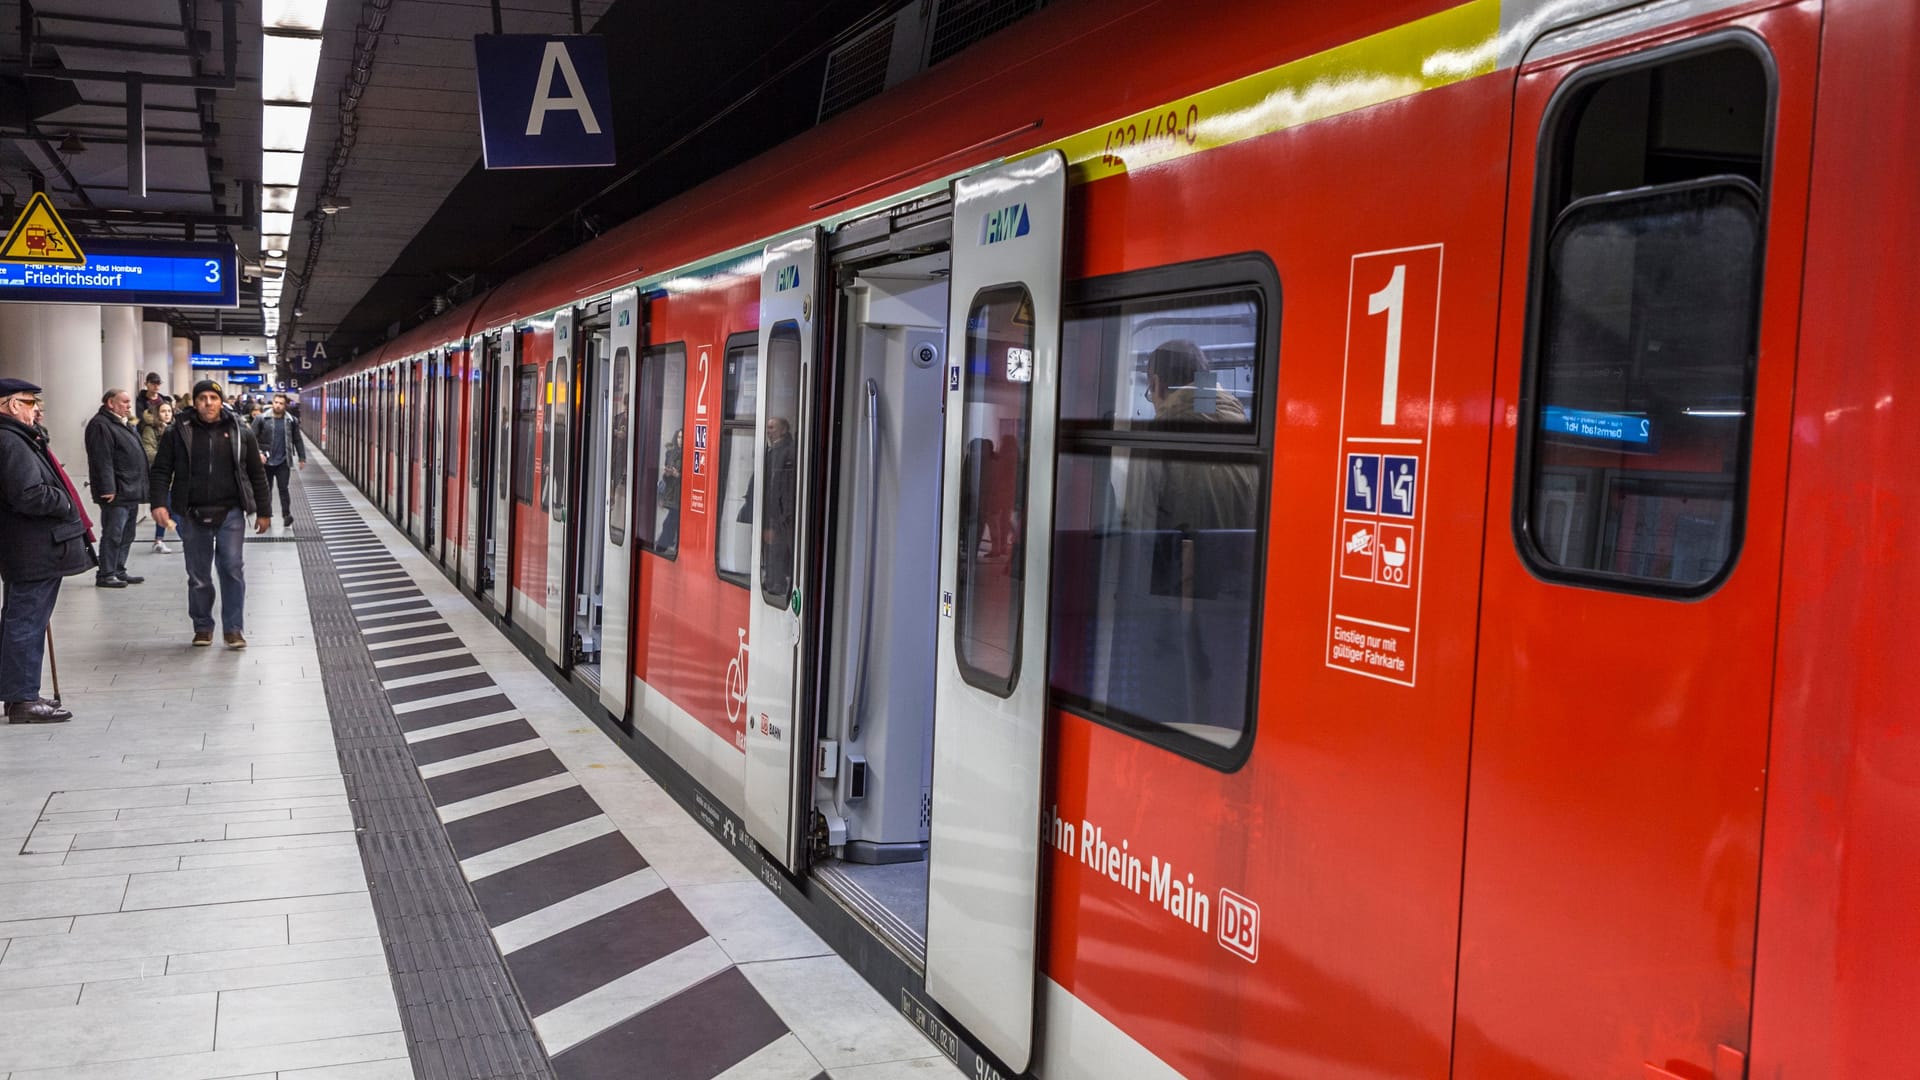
(737, 682)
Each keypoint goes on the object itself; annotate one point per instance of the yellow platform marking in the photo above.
(1439, 50)
(40, 237)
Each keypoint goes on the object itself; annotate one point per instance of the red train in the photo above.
(1263, 539)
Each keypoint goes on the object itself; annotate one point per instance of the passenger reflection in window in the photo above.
(777, 515)
(1182, 497)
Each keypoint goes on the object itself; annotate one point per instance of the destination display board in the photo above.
(156, 273)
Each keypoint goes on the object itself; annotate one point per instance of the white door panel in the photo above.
(560, 485)
(616, 664)
(1003, 347)
(779, 773)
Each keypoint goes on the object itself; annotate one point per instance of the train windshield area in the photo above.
(1157, 519)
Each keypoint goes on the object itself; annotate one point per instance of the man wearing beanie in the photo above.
(210, 467)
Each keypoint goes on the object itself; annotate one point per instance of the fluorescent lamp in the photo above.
(280, 168)
(276, 223)
(271, 244)
(278, 198)
(278, 262)
(284, 127)
(269, 301)
(288, 66)
(294, 14)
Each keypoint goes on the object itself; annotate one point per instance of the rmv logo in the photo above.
(789, 278)
(1006, 223)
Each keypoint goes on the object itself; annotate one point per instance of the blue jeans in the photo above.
(116, 538)
(23, 637)
(203, 545)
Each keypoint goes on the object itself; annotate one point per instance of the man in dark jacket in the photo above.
(117, 471)
(279, 437)
(42, 539)
(210, 468)
(149, 397)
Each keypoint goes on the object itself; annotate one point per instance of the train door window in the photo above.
(526, 405)
(733, 540)
(621, 461)
(1160, 510)
(663, 411)
(990, 592)
(1639, 384)
(779, 476)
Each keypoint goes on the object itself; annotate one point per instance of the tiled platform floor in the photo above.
(191, 904)
(180, 892)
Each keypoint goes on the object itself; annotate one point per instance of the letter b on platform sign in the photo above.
(544, 101)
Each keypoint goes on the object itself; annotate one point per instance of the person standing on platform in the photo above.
(43, 538)
(149, 397)
(117, 471)
(279, 437)
(209, 472)
(153, 426)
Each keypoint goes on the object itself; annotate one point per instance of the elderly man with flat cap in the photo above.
(43, 538)
(209, 472)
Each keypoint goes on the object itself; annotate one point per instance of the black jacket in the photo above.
(173, 465)
(41, 534)
(116, 462)
(296, 446)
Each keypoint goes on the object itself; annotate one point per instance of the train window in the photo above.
(1159, 516)
(990, 593)
(780, 475)
(663, 412)
(525, 408)
(733, 539)
(1639, 385)
(621, 460)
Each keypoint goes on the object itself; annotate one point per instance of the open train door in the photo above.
(1003, 360)
(779, 776)
(616, 554)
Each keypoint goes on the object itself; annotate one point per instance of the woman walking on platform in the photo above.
(153, 424)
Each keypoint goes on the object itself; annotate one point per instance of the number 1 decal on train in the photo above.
(1386, 429)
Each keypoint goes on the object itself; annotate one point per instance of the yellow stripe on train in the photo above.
(1439, 50)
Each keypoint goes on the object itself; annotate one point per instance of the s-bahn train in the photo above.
(1263, 539)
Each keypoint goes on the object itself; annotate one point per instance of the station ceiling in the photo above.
(393, 148)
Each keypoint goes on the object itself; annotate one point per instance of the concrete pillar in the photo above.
(156, 354)
(182, 381)
(120, 348)
(57, 346)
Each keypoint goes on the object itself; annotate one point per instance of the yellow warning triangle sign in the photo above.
(41, 237)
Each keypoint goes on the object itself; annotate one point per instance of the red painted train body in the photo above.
(1505, 678)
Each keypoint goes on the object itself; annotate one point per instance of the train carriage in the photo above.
(1260, 540)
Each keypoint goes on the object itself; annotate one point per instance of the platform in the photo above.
(378, 843)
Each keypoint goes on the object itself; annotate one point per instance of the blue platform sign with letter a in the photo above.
(544, 102)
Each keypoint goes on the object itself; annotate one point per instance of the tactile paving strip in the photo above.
(462, 1019)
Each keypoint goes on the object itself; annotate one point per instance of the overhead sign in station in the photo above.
(223, 361)
(153, 273)
(39, 236)
(544, 101)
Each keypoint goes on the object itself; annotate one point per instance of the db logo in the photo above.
(1240, 925)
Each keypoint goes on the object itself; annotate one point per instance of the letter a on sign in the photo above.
(40, 237)
(544, 101)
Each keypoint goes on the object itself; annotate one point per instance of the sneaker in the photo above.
(109, 583)
(236, 640)
(132, 579)
(36, 712)
(288, 522)
(160, 548)
(203, 637)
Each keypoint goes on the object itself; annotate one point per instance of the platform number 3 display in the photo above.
(1385, 463)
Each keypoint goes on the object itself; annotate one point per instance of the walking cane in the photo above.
(54, 662)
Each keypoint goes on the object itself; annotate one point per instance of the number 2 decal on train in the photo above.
(1386, 430)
